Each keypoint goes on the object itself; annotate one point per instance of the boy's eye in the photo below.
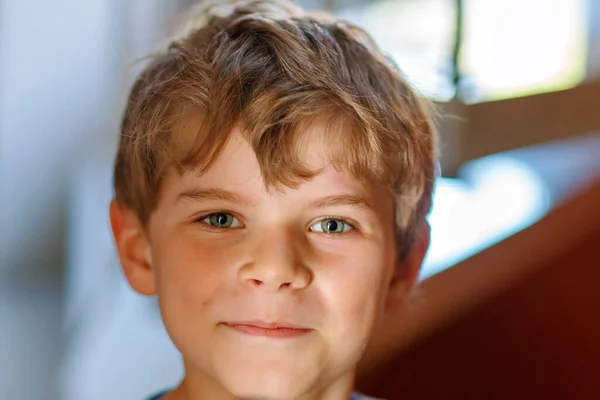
(331, 225)
(222, 220)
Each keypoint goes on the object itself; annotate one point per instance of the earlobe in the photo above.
(403, 282)
(133, 249)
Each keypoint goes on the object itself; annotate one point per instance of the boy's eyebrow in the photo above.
(342, 200)
(197, 194)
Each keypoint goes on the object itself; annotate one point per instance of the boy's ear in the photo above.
(407, 275)
(133, 248)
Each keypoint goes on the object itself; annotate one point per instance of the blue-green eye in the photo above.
(222, 220)
(331, 225)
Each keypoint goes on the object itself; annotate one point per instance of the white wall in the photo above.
(59, 62)
(58, 80)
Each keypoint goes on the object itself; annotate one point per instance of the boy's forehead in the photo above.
(313, 143)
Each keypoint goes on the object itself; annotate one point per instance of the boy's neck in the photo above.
(201, 387)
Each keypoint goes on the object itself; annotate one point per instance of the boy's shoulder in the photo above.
(158, 396)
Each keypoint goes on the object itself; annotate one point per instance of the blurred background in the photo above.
(517, 83)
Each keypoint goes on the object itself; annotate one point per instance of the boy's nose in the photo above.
(275, 264)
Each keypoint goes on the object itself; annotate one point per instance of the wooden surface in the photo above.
(520, 320)
(472, 131)
(513, 123)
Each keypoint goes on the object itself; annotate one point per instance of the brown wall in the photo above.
(538, 339)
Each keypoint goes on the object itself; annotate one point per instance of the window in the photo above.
(510, 48)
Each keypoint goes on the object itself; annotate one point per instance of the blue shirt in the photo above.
(355, 396)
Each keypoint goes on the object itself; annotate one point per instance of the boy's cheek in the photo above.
(359, 296)
(185, 294)
(185, 277)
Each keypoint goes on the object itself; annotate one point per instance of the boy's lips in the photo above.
(268, 329)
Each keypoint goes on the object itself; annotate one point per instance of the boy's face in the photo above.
(269, 295)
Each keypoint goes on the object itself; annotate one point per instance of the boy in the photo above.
(272, 182)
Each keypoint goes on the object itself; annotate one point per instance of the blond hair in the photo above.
(271, 69)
